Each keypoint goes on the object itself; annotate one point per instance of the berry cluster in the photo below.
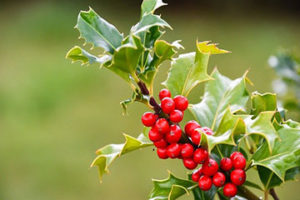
(172, 142)
(230, 175)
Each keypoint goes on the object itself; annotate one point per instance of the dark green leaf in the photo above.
(98, 31)
(107, 154)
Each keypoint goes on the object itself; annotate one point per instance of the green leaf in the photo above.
(126, 58)
(108, 153)
(285, 155)
(149, 6)
(170, 188)
(220, 94)
(263, 102)
(98, 31)
(79, 54)
(190, 69)
(148, 21)
(162, 51)
(136, 96)
(262, 126)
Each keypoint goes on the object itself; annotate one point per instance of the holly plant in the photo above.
(233, 132)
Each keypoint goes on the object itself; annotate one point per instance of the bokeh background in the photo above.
(54, 115)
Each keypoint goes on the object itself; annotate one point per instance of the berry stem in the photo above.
(152, 101)
(273, 194)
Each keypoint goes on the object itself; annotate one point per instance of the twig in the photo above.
(273, 194)
(247, 193)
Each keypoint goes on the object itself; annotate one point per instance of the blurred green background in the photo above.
(54, 115)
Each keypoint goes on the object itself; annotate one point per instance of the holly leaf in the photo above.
(149, 6)
(162, 51)
(170, 188)
(108, 153)
(220, 94)
(190, 69)
(285, 155)
(98, 31)
(79, 54)
(126, 57)
(263, 102)
(148, 21)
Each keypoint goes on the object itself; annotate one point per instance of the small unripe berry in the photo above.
(189, 163)
(234, 154)
(161, 143)
(238, 176)
(174, 135)
(181, 102)
(229, 190)
(173, 150)
(162, 125)
(226, 164)
(190, 127)
(196, 138)
(187, 150)
(219, 179)
(154, 135)
(239, 162)
(196, 176)
(176, 116)
(200, 156)
(167, 105)
(205, 183)
(162, 153)
(164, 93)
(207, 131)
(149, 119)
(210, 167)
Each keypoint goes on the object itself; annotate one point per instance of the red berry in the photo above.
(181, 102)
(207, 131)
(196, 138)
(205, 183)
(187, 150)
(229, 190)
(154, 135)
(239, 162)
(234, 154)
(162, 153)
(176, 116)
(226, 164)
(238, 176)
(161, 143)
(173, 150)
(164, 93)
(189, 163)
(162, 125)
(196, 175)
(200, 156)
(174, 135)
(167, 105)
(190, 127)
(219, 179)
(210, 167)
(149, 119)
